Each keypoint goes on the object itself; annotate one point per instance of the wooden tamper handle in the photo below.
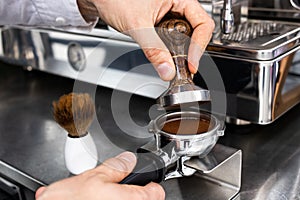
(176, 33)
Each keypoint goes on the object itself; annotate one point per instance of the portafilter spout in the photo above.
(175, 33)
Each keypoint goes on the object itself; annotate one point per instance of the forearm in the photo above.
(58, 13)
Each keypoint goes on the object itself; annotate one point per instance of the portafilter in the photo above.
(178, 135)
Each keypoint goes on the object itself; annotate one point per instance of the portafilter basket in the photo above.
(191, 133)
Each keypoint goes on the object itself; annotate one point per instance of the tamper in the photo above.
(175, 33)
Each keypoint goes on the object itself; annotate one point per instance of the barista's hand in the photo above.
(102, 183)
(137, 19)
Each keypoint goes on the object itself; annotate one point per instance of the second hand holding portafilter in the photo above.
(176, 34)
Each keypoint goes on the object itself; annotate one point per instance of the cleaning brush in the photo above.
(75, 112)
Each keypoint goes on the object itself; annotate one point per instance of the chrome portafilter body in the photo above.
(197, 133)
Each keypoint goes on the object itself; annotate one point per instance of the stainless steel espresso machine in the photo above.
(255, 47)
(258, 59)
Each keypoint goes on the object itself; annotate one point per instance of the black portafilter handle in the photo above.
(149, 168)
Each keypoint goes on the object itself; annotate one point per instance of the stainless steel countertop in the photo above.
(31, 143)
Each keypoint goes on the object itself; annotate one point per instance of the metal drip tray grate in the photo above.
(256, 40)
(252, 30)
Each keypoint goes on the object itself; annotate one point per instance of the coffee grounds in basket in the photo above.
(189, 126)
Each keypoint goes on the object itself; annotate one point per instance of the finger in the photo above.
(39, 192)
(155, 51)
(151, 191)
(203, 27)
(200, 39)
(117, 168)
(155, 190)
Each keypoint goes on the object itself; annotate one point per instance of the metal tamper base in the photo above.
(181, 95)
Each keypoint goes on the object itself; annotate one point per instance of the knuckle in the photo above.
(143, 195)
(211, 23)
(140, 194)
(122, 166)
(160, 193)
(154, 191)
(88, 173)
(152, 53)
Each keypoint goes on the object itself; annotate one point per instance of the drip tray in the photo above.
(256, 40)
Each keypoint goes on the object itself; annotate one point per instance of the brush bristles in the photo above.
(74, 112)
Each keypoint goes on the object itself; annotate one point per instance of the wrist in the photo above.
(88, 10)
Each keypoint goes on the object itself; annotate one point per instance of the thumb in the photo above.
(117, 168)
(39, 191)
(155, 51)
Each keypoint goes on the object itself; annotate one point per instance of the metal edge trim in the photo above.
(19, 176)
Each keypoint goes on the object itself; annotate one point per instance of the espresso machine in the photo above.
(257, 59)
(255, 48)
(253, 54)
